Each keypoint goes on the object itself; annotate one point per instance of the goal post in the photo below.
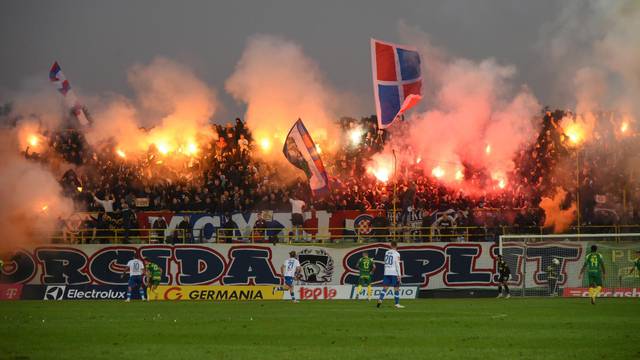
(549, 265)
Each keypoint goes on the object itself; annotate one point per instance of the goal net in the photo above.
(549, 265)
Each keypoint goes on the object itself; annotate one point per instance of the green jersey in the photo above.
(594, 262)
(637, 264)
(366, 266)
(154, 270)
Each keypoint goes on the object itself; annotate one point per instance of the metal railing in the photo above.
(123, 236)
(407, 234)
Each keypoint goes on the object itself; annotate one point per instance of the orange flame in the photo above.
(33, 140)
(624, 127)
(575, 133)
(192, 149)
(163, 148)
(265, 145)
(381, 167)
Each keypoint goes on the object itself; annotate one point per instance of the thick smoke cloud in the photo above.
(593, 49)
(32, 199)
(172, 111)
(280, 84)
(475, 116)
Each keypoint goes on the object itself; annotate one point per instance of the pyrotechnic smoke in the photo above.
(595, 55)
(31, 197)
(280, 84)
(555, 215)
(475, 116)
(172, 111)
(36, 101)
(29, 136)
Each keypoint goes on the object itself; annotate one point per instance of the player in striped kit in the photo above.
(392, 275)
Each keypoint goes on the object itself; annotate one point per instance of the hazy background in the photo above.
(96, 42)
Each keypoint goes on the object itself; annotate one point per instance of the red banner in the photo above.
(10, 291)
(606, 292)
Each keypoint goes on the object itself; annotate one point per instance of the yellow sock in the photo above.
(591, 292)
(369, 290)
(598, 290)
(359, 288)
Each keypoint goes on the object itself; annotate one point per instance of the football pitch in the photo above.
(533, 328)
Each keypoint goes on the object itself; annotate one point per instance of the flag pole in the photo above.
(395, 189)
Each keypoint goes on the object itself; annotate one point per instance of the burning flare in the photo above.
(355, 136)
(382, 174)
(624, 127)
(438, 172)
(33, 140)
(381, 167)
(163, 148)
(265, 145)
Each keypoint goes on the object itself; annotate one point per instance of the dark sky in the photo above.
(97, 41)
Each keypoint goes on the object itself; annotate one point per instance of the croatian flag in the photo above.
(301, 152)
(61, 83)
(397, 81)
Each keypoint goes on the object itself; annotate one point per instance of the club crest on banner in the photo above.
(317, 265)
(363, 224)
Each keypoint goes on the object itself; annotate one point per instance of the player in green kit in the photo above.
(636, 263)
(154, 275)
(594, 264)
(366, 266)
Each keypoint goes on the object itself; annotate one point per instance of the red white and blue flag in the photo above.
(397, 80)
(301, 151)
(61, 83)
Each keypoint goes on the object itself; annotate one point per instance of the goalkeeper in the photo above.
(636, 264)
(594, 264)
(552, 276)
(367, 267)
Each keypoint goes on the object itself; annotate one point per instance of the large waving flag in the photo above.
(301, 151)
(62, 85)
(397, 81)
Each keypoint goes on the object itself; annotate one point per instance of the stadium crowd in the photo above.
(226, 177)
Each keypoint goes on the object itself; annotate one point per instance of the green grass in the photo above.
(426, 329)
